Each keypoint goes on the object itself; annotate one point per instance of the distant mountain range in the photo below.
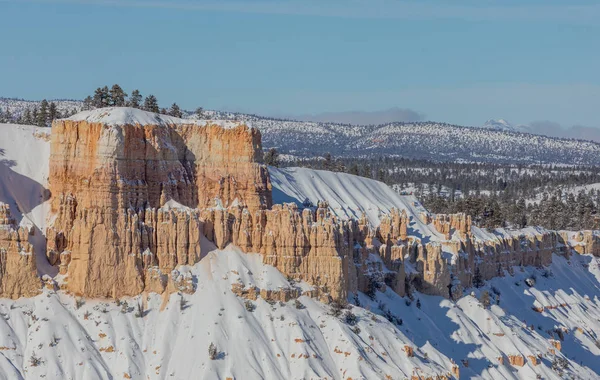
(496, 141)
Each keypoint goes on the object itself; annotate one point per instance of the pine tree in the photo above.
(27, 117)
(477, 279)
(151, 104)
(271, 157)
(101, 97)
(200, 112)
(88, 103)
(175, 110)
(6, 116)
(117, 96)
(327, 162)
(135, 99)
(53, 113)
(42, 115)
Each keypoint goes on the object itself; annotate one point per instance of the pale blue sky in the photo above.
(456, 61)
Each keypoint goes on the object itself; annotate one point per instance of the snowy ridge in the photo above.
(349, 196)
(114, 116)
(170, 336)
(438, 141)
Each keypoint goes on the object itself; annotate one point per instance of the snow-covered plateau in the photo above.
(542, 323)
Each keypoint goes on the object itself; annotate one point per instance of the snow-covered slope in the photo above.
(54, 336)
(126, 115)
(169, 339)
(348, 196)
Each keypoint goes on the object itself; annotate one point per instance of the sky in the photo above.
(457, 61)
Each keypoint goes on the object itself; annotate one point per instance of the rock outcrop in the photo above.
(133, 202)
(109, 181)
(18, 272)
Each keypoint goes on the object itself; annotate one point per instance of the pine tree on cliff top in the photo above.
(117, 96)
(151, 104)
(135, 100)
(175, 110)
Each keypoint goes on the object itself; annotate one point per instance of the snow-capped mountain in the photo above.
(503, 125)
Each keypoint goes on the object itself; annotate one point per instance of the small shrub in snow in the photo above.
(547, 273)
(336, 308)
(79, 302)
(485, 299)
(356, 330)
(183, 304)
(496, 291)
(34, 361)
(418, 303)
(560, 333)
(350, 318)
(559, 364)
(54, 341)
(407, 302)
(249, 306)
(140, 310)
(298, 304)
(124, 307)
(212, 351)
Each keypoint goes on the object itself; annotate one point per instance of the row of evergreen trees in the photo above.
(117, 97)
(493, 194)
(42, 115)
(555, 211)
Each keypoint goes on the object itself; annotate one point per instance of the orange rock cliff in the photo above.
(132, 203)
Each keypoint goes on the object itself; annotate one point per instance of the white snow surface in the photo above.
(115, 116)
(105, 340)
(349, 196)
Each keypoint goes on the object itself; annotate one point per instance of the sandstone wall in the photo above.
(105, 180)
(18, 272)
(112, 236)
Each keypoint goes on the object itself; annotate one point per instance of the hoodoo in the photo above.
(110, 172)
(134, 194)
(18, 273)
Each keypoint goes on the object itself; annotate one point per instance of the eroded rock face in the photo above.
(132, 204)
(306, 245)
(107, 183)
(18, 272)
